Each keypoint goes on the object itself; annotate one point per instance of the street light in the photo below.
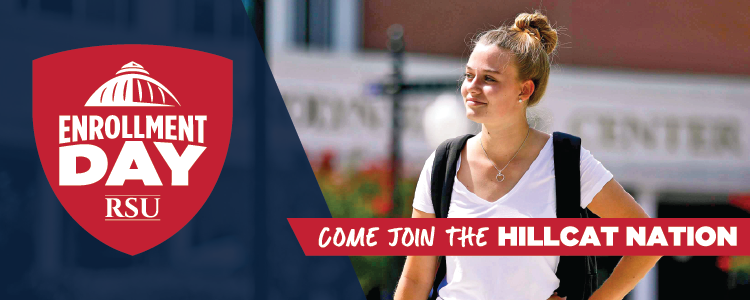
(446, 117)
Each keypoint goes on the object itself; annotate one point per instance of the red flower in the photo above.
(382, 205)
(724, 263)
(741, 201)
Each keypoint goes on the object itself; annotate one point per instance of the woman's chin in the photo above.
(473, 115)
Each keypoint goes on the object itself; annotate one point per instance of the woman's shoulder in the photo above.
(444, 146)
(427, 168)
(542, 137)
(540, 142)
(585, 154)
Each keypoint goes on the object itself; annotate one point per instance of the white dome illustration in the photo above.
(132, 87)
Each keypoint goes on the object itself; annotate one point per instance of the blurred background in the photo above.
(658, 90)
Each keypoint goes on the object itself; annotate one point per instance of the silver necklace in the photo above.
(500, 177)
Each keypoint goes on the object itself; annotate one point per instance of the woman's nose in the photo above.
(473, 86)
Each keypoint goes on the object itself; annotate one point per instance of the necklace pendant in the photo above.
(499, 177)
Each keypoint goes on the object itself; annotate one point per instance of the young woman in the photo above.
(506, 73)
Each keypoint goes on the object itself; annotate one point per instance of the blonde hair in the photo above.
(532, 41)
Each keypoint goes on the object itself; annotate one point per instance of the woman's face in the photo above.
(491, 88)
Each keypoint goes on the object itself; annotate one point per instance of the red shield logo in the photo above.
(132, 138)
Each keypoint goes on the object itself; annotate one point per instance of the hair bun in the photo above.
(537, 26)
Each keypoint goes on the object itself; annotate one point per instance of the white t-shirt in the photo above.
(509, 277)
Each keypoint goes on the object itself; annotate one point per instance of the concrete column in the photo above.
(279, 27)
(347, 28)
(647, 289)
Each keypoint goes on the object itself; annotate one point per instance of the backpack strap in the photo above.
(444, 173)
(443, 177)
(577, 274)
(567, 157)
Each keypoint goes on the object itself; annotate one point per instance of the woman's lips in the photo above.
(474, 102)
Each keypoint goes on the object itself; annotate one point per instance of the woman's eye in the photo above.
(488, 78)
(468, 75)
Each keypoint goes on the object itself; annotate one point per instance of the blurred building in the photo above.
(657, 90)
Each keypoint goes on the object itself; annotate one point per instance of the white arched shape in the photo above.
(118, 91)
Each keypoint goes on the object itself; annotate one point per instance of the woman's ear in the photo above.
(527, 89)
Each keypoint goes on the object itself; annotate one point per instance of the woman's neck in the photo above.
(502, 141)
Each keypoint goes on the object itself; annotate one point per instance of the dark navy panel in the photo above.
(238, 246)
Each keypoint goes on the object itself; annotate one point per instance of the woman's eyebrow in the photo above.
(485, 70)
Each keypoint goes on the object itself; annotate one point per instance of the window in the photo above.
(312, 23)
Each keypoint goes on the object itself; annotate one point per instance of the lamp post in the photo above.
(396, 87)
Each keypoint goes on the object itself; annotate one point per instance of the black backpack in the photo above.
(578, 275)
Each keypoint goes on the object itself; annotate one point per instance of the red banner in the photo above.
(552, 236)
